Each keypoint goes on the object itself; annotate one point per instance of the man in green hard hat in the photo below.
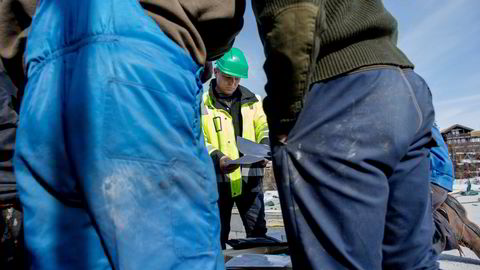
(231, 110)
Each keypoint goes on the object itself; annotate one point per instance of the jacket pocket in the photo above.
(139, 122)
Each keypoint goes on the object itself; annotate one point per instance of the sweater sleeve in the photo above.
(15, 19)
(290, 32)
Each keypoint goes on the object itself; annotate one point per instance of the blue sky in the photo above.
(442, 39)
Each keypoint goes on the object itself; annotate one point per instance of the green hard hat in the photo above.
(233, 63)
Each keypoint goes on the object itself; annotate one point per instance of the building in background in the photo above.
(464, 149)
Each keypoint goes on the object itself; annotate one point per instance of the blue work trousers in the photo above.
(353, 174)
(110, 160)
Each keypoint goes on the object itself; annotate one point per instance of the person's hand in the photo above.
(282, 138)
(224, 168)
(268, 164)
(265, 163)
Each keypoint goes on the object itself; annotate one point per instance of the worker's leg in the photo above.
(443, 237)
(112, 159)
(409, 222)
(11, 239)
(333, 172)
(8, 126)
(439, 195)
(465, 231)
(11, 225)
(59, 233)
(252, 208)
(225, 205)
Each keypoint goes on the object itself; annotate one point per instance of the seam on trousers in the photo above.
(414, 100)
(289, 164)
(45, 59)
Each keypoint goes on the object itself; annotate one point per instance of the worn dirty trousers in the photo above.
(353, 174)
(250, 206)
(110, 160)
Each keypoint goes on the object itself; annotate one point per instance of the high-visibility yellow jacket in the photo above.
(220, 134)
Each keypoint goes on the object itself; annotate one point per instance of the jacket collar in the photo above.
(246, 96)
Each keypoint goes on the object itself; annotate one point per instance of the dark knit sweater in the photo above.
(311, 41)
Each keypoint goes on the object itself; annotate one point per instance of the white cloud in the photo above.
(462, 110)
(458, 101)
(440, 36)
(443, 44)
(431, 22)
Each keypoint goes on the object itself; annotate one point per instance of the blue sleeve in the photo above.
(440, 164)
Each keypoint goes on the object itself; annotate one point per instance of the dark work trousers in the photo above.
(353, 174)
(8, 127)
(11, 225)
(11, 236)
(250, 205)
